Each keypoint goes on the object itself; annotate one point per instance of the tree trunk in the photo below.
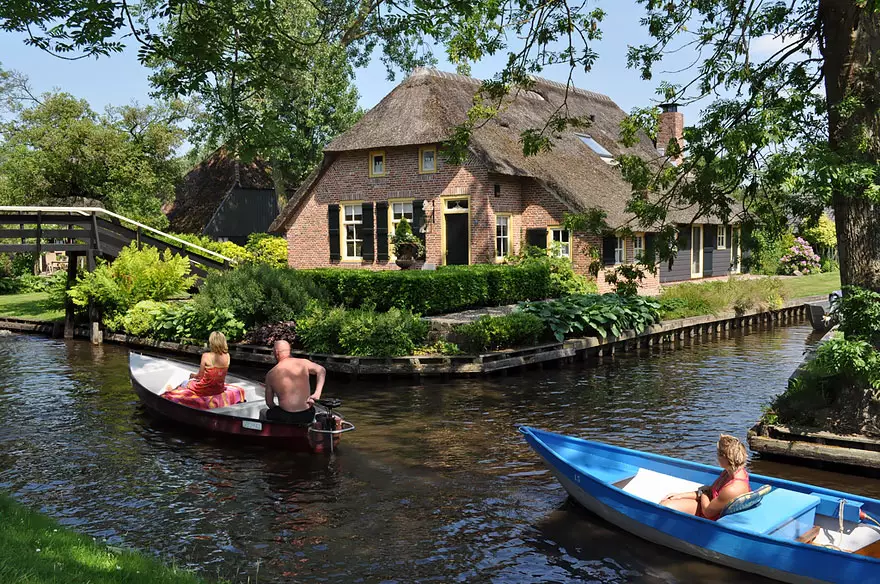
(851, 51)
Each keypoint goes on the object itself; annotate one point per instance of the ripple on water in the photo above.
(436, 485)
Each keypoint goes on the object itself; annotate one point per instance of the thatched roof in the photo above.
(205, 188)
(429, 104)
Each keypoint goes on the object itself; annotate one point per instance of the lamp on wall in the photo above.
(428, 210)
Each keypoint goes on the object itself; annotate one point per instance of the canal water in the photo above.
(436, 484)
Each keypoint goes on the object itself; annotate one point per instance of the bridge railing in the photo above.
(22, 215)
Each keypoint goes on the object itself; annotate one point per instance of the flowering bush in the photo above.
(800, 259)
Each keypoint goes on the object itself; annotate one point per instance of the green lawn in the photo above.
(34, 549)
(813, 285)
(32, 305)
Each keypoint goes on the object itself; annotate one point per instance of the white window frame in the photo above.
(638, 249)
(392, 222)
(736, 251)
(564, 248)
(422, 169)
(505, 238)
(620, 251)
(358, 229)
(698, 252)
(721, 237)
(373, 155)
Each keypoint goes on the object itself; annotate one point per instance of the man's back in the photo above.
(289, 380)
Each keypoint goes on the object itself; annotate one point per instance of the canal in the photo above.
(436, 485)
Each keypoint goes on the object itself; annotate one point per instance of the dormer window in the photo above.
(377, 163)
(428, 160)
(596, 147)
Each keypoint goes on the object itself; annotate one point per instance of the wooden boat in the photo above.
(151, 376)
(798, 533)
(821, 320)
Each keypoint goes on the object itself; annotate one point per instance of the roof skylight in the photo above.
(596, 147)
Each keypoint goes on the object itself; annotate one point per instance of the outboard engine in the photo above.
(326, 422)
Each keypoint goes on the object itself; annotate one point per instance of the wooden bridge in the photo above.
(90, 233)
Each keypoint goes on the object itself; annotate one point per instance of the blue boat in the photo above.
(798, 533)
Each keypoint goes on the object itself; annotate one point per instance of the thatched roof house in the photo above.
(382, 159)
(225, 198)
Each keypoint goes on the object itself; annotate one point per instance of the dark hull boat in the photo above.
(151, 376)
(798, 533)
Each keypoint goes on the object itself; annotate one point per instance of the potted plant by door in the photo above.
(407, 246)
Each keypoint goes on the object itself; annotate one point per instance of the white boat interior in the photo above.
(159, 375)
(778, 509)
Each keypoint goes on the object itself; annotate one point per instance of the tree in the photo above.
(769, 134)
(60, 152)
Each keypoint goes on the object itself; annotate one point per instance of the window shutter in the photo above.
(382, 231)
(419, 220)
(650, 247)
(333, 224)
(609, 247)
(367, 230)
(537, 238)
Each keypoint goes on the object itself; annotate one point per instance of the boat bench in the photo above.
(782, 513)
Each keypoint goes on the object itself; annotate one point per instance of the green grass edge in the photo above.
(35, 549)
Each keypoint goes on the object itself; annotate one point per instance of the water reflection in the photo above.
(436, 484)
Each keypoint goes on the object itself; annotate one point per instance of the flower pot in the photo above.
(405, 263)
(406, 255)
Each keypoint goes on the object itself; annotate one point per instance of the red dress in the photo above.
(212, 382)
(207, 391)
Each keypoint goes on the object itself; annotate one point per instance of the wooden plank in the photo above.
(46, 233)
(33, 248)
(872, 550)
(818, 452)
(31, 219)
(786, 432)
(809, 536)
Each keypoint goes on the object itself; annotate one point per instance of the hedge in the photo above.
(426, 292)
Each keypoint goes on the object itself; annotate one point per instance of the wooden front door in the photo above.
(457, 247)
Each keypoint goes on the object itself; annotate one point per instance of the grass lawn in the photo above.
(813, 285)
(32, 305)
(34, 549)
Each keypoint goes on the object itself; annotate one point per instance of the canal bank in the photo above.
(436, 485)
(666, 335)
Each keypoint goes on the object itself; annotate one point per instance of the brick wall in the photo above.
(347, 179)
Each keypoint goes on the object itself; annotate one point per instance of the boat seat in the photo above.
(782, 513)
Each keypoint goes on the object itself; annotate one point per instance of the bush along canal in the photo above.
(829, 413)
(436, 485)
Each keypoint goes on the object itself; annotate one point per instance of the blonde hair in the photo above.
(217, 343)
(733, 450)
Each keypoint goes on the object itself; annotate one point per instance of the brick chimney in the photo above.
(671, 126)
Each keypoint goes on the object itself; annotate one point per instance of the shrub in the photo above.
(500, 332)
(767, 248)
(267, 249)
(267, 334)
(361, 332)
(258, 293)
(800, 259)
(829, 265)
(564, 281)
(184, 321)
(140, 320)
(403, 235)
(447, 289)
(439, 347)
(694, 299)
(859, 312)
(133, 276)
(591, 314)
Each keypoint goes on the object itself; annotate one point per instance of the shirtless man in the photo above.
(289, 380)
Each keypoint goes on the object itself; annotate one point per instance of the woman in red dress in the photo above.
(207, 389)
(709, 500)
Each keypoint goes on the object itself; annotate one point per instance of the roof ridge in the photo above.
(434, 72)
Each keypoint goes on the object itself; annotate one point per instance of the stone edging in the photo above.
(670, 332)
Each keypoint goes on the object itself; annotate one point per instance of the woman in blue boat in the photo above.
(709, 500)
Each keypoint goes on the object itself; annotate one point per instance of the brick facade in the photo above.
(347, 178)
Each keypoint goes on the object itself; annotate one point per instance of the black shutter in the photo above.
(333, 225)
(367, 232)
(537, 238)
(609, 249)
(418, 222)
(650, 248)
(382, 231)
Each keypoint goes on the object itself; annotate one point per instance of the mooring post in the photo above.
(72, 260)
(94, 318)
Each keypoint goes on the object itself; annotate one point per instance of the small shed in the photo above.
(225, 198)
